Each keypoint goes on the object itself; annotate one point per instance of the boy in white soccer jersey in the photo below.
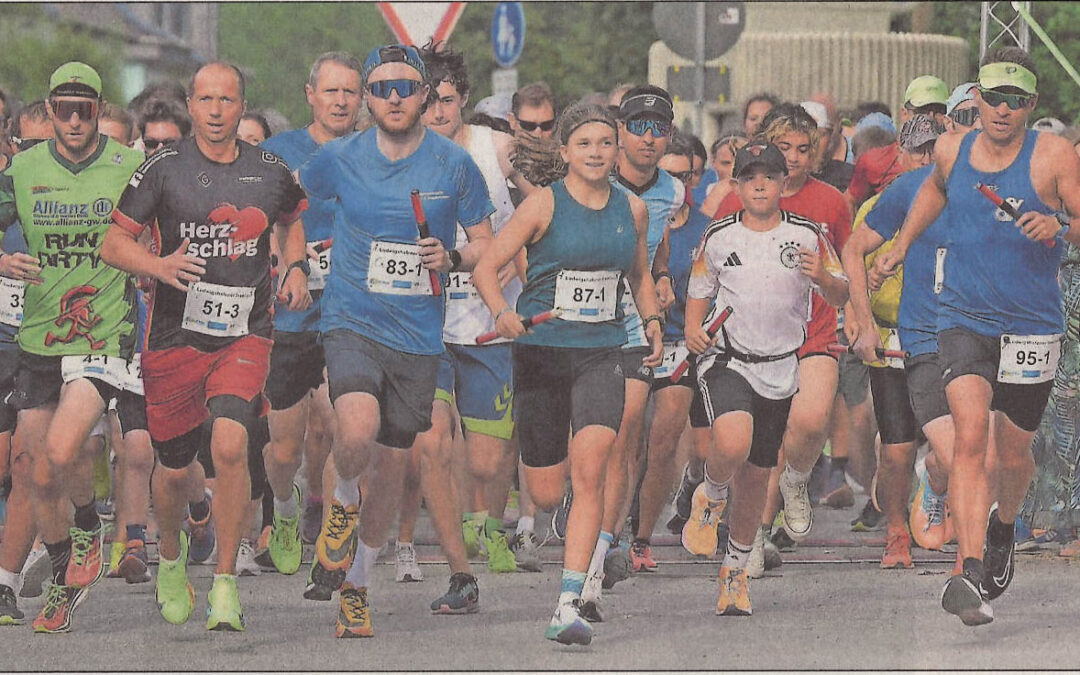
(763, 262)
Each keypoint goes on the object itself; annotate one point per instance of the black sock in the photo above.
(136, 532)
(86, 517)
(268, 506)
(199, 510)
(999, 533)
(973, 568)
(59, 554)
(644, 541)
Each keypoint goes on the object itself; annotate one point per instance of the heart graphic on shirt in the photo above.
(247, 223)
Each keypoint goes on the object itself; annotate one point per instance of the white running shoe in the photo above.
(798, 514)
(590, 598)
(245, 560)
(36, 571)
(405, 566)
(755, 566)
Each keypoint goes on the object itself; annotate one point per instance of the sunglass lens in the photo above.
(65, 109)
(404, 88)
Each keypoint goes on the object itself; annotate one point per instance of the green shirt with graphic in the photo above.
(82, 306)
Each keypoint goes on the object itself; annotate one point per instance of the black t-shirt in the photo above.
(226, 210)
(836, 173)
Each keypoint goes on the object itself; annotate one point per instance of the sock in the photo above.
(737, 555)
(999, 533)
(9, 579)
(86, 517)
(492, 525)
(525, 524)
(795, 476)
(136, 532)
(363, 562)
(59, 554)
(603, 543)
(572, 583)
(286, 508)
(402, 544)
(267, 505)
(224, 576)
(199, 511)
(715, 492)
(346, 491)
(973, 568)
(695, 471)
(644, 541)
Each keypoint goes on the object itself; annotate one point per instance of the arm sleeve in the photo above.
(473, 204)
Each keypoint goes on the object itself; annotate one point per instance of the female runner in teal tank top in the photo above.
(582, 237)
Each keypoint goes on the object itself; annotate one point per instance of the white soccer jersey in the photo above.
(757, 274)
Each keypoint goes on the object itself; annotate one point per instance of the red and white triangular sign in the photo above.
(414, 23)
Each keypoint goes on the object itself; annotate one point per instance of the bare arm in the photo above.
(641, 283)
(293, 248)
(861, 243)
(665, 294)
(121, 249)
(435, 257)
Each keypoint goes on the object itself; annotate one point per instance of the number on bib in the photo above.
(674, 354)
(587, 296)
(11, 301)
(320, 270)
(110, 369)
(221, 311)
(134, 375)
(396, 269)
(460, 288)
(1028, 359)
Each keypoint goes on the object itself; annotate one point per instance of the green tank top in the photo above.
(82, 306)
(578, 267)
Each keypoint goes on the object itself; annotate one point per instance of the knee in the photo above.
(545, 497)
(285, 451)
(434, 452)
(484, 466)
(137, 458)
(588, 479)
(354, 436)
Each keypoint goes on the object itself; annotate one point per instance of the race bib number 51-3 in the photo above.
(587, 296)
(396, 269)
(221, 311)
(1028, 359)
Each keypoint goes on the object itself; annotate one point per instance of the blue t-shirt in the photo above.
(296, 147)
(702, 190)
(372, 212)
(917, 317)
(12, 242)
(682, 243)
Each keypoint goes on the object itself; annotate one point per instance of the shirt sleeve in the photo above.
(888, 213)
(318, 175)
(8, 212)
(138, 205)
(293, 201)
(840, 226)
(473, 204)
(859, 186)
(704, 282)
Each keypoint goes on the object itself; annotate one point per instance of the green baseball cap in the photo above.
(1006, 74)
(926, 89)
(75, 79)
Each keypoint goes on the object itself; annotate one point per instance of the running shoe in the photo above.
(322, 583)
(772, 551)
(617, 565)
(684, 496)
(1070, 550)
(86, 565)
(245, 560)
(699, 535)
(405, 567)
(998, 562)
(223, 611)
(964, 596)
(842, 497)
(526, 550)
(1033, 540)
(174, 594)
(567, 625)
(755, 565)
(116, 554)
(734, 596)
(897, 549)
(463, 596)
(798, 514)
(284, 545)
(562, 512)
(262, 549)
(500, 558)
(203, 539)
(60, 605)
(470, 534)
(311, 521)
(133, 566)
(782, 541)
(869, 519)
(10, 614)
(105, 509)
(928, 515)
(641, 557)
(336, 544)
(35, 572)
(354, 614)
(591, 594)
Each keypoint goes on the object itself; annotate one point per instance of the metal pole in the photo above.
(984, 28)
(699, 70)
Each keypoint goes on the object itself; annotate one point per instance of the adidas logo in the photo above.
(732, 260)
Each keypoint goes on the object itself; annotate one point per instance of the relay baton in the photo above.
(323, 245)
(1005, 206)
(712, 329)
(529, 323)
(837, 348)
(421, 225)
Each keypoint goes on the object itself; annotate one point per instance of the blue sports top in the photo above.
(682, 244)
(372, 213)
(582, 240)
(12, 242)
(998, 281)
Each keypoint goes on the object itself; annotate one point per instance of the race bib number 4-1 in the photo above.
(674, 354)
(587, 296)
(320, 270)
(221, 311)
(1028, 359)
(11, 301)
(110, 369)
(396, 269)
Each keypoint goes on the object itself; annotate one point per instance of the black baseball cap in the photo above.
(646, 99)
(758, 152)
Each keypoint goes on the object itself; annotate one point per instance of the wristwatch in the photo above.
(303, 265)
(455, 258)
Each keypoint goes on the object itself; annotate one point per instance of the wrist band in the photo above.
(654, 317)
(663, 274)
(501, 312)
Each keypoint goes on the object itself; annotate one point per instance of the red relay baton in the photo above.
(837, 348)
(323, 245)
(712, 329)
(421, 226)
(529, 323)
(1005, 206)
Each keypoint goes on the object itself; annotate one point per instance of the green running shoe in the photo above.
(285, 543)
(470, 533)
(499, 556)
(223, 611)
(174, 594)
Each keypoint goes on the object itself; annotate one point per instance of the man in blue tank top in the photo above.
(381, 318)
(1000, 324)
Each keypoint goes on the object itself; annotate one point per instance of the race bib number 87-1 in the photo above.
(587, 296)
(396, 269)
(1028, 359)
(221, 311)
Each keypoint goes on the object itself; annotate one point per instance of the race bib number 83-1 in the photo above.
(396, 269)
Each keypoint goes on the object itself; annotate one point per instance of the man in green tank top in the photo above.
(78, 323)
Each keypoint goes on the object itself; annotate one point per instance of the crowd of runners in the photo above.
(395, 308)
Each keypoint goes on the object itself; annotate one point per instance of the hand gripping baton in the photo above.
(529, 323)
(712, 329)
(421, 226)
(1005, 206)
(837, 348)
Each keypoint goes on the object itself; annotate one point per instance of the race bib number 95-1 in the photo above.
(396, 269)
(587, 296)
(221, 311)
(1028, 359)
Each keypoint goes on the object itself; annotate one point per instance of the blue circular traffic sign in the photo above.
(507, 33)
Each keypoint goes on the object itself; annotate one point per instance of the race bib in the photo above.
(890, 339)
(1028, 359)
(589, 297)
(459, 288)
(221, 311)
(320, 270)
(11, 301)
(396, 269)
(134, 375)
(674, 354)
(110, 369)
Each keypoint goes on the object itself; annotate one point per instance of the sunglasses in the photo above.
(26, 143)
(639, 127)
(153, 144)
(86, 109)
(546, 125)
(965, 117)
(404, 88)
(996, 98)
(682, 176)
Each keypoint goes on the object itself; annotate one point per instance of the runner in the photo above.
(209, 201)
(749, 373)
(569, 371)
(1000, 324)
(77, 321)
(381, 322)
(754, 111)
